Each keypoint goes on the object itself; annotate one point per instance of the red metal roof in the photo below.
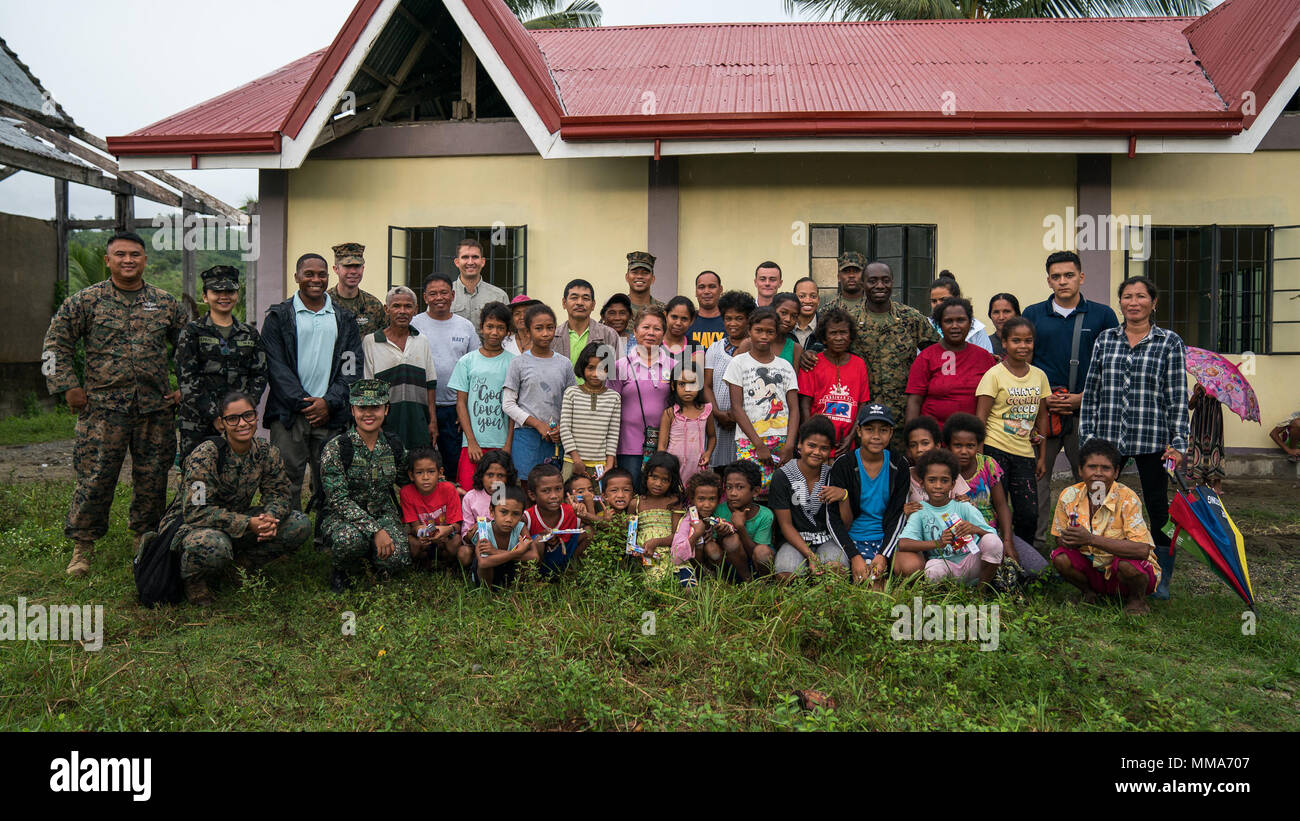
(1059, 76)
(1247, 45)
(1064, 77)
(249, 118)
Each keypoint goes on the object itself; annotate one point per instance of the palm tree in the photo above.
(547, 14)
(85, 266)
(980, 9)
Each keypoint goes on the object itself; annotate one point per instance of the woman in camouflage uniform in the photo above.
(216, 499)
(360, 517)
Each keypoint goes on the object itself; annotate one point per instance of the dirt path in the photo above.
(47, 462)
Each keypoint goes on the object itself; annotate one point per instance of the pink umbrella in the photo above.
(1224, 382)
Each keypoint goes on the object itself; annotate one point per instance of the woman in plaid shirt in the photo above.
(1135, 396)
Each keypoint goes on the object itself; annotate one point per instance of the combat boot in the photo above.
(82, 551)
(197, 592)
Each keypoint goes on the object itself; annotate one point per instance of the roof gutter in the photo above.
(838, 124)
(259, 142)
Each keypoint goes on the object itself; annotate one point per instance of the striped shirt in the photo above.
(410, 375)
(717, 358)
(589, 423)
(1136, 397)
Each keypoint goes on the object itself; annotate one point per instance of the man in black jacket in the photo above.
(869, 533)
(313, 352)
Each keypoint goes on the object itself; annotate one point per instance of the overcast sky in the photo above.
(118, 65)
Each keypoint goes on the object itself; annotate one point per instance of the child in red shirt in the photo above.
(838, 383)
(551, 513)
(430, 508)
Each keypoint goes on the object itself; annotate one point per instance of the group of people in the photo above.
(734, 433)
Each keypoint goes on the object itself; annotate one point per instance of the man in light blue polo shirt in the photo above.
(313, 353)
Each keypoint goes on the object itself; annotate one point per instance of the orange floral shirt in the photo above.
(1119, 516)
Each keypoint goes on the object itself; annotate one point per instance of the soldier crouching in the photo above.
(221, 525)
(360, 469)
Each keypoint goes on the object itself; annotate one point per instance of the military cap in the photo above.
(349, 253)
(220, 278)
(641, 259)
(368, 392)
(852, 259)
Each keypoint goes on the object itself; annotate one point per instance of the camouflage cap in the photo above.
(641, 259)
(368, 392)
(220, 278)
(349, 253)
(852, 259)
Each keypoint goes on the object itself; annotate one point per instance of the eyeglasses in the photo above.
(234, 418)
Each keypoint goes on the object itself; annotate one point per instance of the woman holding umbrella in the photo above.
(1205, 454)
(1136, 397)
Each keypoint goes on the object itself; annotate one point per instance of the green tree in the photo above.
(85, 266)
(983, 9)
(547, 14)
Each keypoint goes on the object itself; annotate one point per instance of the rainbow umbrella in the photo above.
(1200, 524)
(1222, 380)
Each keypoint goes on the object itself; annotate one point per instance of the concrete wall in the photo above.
(1230, 189)
(583, 216)
(27, 279)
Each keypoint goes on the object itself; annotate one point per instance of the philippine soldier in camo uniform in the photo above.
(127, 402)
(216, 354)
(889, 333)
(361, 519)
(216, 501)
(640, 276)
(349, 267)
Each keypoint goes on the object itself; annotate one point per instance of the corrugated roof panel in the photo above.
(258, 106)
(1049, 66)
(1238, 44)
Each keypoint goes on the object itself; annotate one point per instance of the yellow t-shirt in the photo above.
(1015, 407)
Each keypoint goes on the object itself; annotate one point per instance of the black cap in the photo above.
(875, 412)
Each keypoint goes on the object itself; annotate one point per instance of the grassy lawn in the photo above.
(43, 427)
(429, 653)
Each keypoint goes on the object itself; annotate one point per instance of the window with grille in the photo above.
(1226, 288)
(414, 253)
(909, 250)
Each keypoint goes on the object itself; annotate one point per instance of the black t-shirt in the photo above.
(704, 331)
(789, 491)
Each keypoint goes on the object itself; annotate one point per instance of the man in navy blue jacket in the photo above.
(1055, 320)
(313, 354)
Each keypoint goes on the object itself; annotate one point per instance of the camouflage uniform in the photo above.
(362, 501)
(369, 310)
(888, 343)
(646, 260)
(209, 365)
(217, 503)
(125, 336)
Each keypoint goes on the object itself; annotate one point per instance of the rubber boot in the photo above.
(1166, 562)
(82, 551)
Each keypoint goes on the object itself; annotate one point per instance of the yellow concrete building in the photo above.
(717, 147)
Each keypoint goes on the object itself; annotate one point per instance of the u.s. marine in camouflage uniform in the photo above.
(361, 500)
(349, 267)
(888, 340)
(125, 325)
(216, 501)
(213, 360)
